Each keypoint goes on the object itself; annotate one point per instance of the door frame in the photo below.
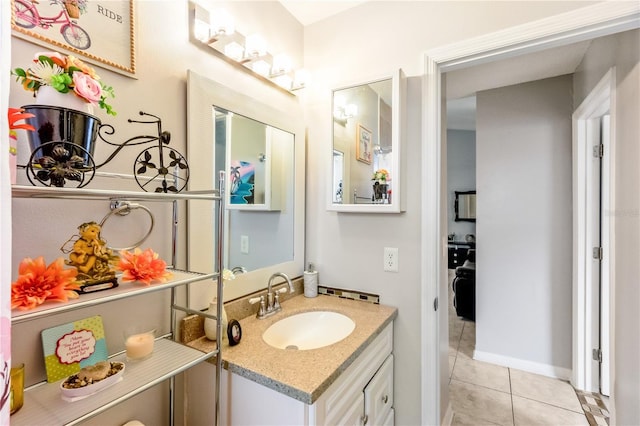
(600, 101)
(586, 23)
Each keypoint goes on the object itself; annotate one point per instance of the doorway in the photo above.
(586, 23)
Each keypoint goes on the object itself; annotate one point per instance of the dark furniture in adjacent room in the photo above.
(464, 288)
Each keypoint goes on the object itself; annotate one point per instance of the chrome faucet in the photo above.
(272, 304)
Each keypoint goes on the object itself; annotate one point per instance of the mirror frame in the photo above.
(398, 117)
(202, 94)
(456, 205)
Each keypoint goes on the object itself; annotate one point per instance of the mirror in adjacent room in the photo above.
(465, 206)
(261, 149)
(366, 165)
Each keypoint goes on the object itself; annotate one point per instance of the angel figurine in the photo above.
(92, 258)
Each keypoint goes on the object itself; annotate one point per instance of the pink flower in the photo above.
(86, 87)
(143, 266)
(38, 282)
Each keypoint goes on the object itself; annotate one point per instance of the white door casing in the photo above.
(582, 24)
(605, 233)
(586, 297)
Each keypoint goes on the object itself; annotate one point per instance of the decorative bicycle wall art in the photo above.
(62, 150)
(99, 30)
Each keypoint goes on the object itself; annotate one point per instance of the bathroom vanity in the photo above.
(348, 382)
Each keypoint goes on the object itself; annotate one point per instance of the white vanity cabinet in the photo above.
(361, 395)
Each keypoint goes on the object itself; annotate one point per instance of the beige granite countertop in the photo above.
(306, 374)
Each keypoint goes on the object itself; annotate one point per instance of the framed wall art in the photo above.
(99, 31)
(364, 144)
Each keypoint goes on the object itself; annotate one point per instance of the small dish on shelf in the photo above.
(81, 385)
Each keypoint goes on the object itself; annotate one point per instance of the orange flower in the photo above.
(144, 266)
(72, 61)
(37, 282)
(17, 114)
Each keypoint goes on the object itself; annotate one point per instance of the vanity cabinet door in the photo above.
(353, 415)
(378, 395)
(390, 420)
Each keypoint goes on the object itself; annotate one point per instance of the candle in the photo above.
(139, 346)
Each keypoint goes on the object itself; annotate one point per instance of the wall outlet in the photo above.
(244, 244)
(390, 261)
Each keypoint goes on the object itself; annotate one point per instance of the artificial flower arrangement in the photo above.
(227, 275)
(66, 74)
(38, 283)
(143, 266)
(381, 175)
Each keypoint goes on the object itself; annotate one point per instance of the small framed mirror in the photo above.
(366, 162)
(465, 206)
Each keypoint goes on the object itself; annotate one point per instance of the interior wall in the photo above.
(524, 235)
(623, 52)
(461, 176)
(351, 48)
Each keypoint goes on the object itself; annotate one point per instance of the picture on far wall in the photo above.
(363, 144)
(98, 31)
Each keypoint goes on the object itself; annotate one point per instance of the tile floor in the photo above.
(487, 394)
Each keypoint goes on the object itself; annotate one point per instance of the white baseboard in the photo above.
(524, 365)
(447, 419)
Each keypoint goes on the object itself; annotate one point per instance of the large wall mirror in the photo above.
(366, 161)
(261, 150)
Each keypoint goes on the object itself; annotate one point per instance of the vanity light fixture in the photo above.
(217, 30)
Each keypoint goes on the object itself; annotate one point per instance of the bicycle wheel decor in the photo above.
(57, 163)
(63, 145)
(158, 168)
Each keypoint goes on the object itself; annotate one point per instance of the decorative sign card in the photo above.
(69, 347)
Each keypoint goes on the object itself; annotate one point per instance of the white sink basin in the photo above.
(309, 330)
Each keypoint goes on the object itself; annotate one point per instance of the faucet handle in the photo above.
(282, 290)
(262, 311)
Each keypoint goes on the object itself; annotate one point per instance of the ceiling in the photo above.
(309, 11)
(462, 85)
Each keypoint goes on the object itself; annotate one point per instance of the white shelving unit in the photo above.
(43, 403)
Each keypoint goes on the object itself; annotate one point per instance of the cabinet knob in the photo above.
(364, 419)
(385, 399)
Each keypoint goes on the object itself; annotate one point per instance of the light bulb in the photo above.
(234, 51)
(281, 64)
(222, 23)
(201, 24)
(301, 79)
(255, 46)
(261, 67)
